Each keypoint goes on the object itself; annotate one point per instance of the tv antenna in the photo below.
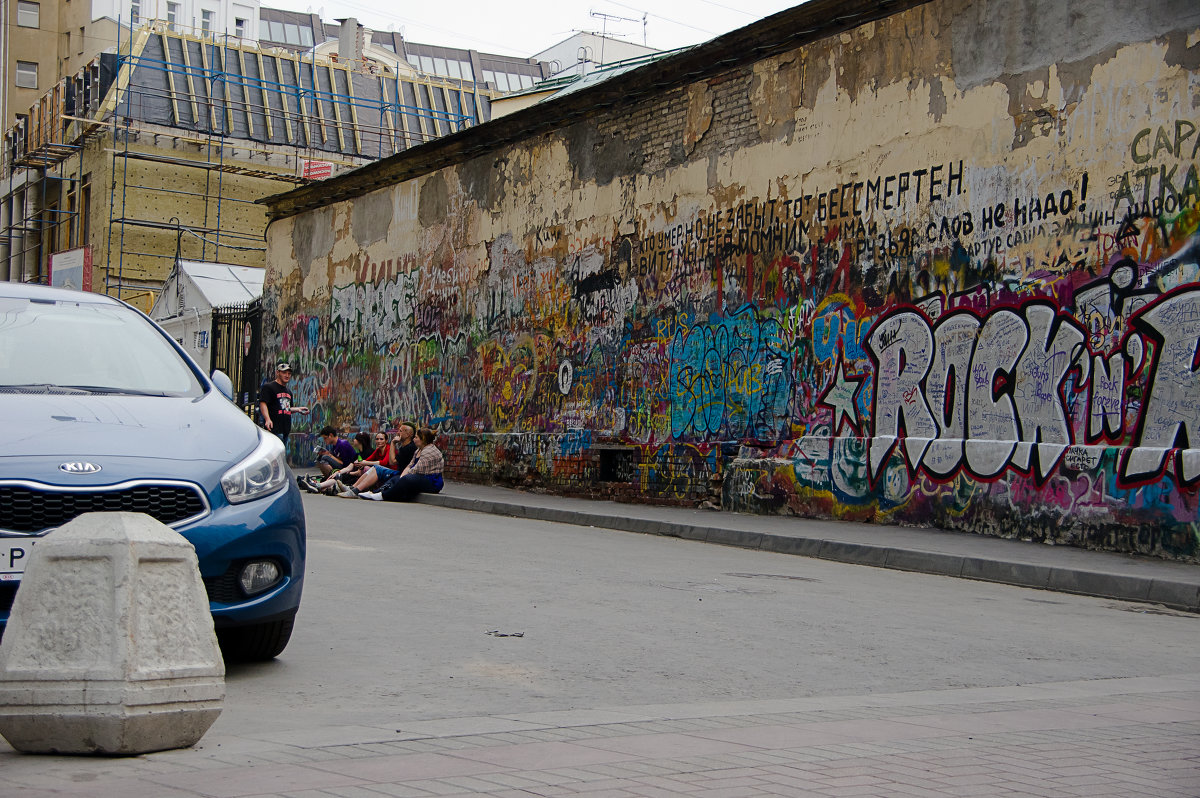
(614, 17)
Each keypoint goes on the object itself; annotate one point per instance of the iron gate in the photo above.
(237, 342)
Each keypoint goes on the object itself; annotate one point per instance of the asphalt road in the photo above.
(414, 612)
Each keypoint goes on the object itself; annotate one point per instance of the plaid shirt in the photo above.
(427, 461)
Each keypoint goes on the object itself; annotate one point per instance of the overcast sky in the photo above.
(525, 27)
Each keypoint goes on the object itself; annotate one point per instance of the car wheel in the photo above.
(257, 643)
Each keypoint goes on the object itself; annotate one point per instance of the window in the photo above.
(135, 11)
(172, 15)
(27, 75)
(455, 72)
(239, 28)
(276, 31)
(81, 40)
(489, 76)
(439, 66)
(467, 73)
(72, 231)
(291, 33)
(206, 21)
(264, 29)
(85, 222)
(306, 37)
(28, 14)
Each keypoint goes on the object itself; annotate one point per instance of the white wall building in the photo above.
(236, 18)
(184, 307)
(584, 52)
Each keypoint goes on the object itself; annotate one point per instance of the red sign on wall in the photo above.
(317, 170)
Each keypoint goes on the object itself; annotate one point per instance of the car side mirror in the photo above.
(223, 383)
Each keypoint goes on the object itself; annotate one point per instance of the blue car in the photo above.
(102, 411)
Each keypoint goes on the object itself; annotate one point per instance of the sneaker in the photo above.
(348, 493)
(306, 483)
(371, 496)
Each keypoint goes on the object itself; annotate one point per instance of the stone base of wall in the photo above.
(574, 464)
(1081, 503)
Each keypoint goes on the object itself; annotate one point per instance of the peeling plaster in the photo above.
(434, 204)
(313, 237)
(699, 116)
(372, 216)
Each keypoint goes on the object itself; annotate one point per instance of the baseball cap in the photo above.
(283, 367)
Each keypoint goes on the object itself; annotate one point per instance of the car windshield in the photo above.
(56, 346)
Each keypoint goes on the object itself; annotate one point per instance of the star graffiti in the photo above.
(842, 397)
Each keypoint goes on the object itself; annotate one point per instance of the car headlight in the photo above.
(263, 472)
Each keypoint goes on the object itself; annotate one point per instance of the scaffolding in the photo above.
(170, 104)
(41, 179)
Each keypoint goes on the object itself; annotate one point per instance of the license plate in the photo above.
(13, 556)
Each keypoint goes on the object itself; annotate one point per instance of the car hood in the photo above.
(127, 436)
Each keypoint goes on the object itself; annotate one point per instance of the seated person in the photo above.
(381, 444)
(399, 454)
(363, 443)
(337, 453)
(383, 456)
(423, 474)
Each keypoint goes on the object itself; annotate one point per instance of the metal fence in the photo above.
(237, 344)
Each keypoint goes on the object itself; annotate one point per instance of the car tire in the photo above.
(257, 643)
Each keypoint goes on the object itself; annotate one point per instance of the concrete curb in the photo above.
(1097, 582)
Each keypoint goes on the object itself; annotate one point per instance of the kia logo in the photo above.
(79, 468)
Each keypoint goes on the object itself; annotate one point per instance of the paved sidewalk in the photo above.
(1012, 562)
(1117, 737)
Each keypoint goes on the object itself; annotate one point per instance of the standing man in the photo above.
(275, 403)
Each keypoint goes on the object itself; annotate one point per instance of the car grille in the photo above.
(224, 589)
(24, 508)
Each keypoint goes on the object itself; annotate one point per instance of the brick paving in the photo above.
(1118, 737)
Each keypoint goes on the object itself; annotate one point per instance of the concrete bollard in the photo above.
(110, 646)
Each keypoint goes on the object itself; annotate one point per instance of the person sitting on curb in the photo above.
(401, 452)
(362, 442)
(423, 474)
(380, 452)
(337, 453)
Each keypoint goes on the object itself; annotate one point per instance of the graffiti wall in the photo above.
(891, 275)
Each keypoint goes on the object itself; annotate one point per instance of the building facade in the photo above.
(47, 40)
(158, 150)
(887, 262)
(583, 52)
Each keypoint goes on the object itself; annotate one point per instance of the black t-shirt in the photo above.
(279, 405)
(404, 455)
